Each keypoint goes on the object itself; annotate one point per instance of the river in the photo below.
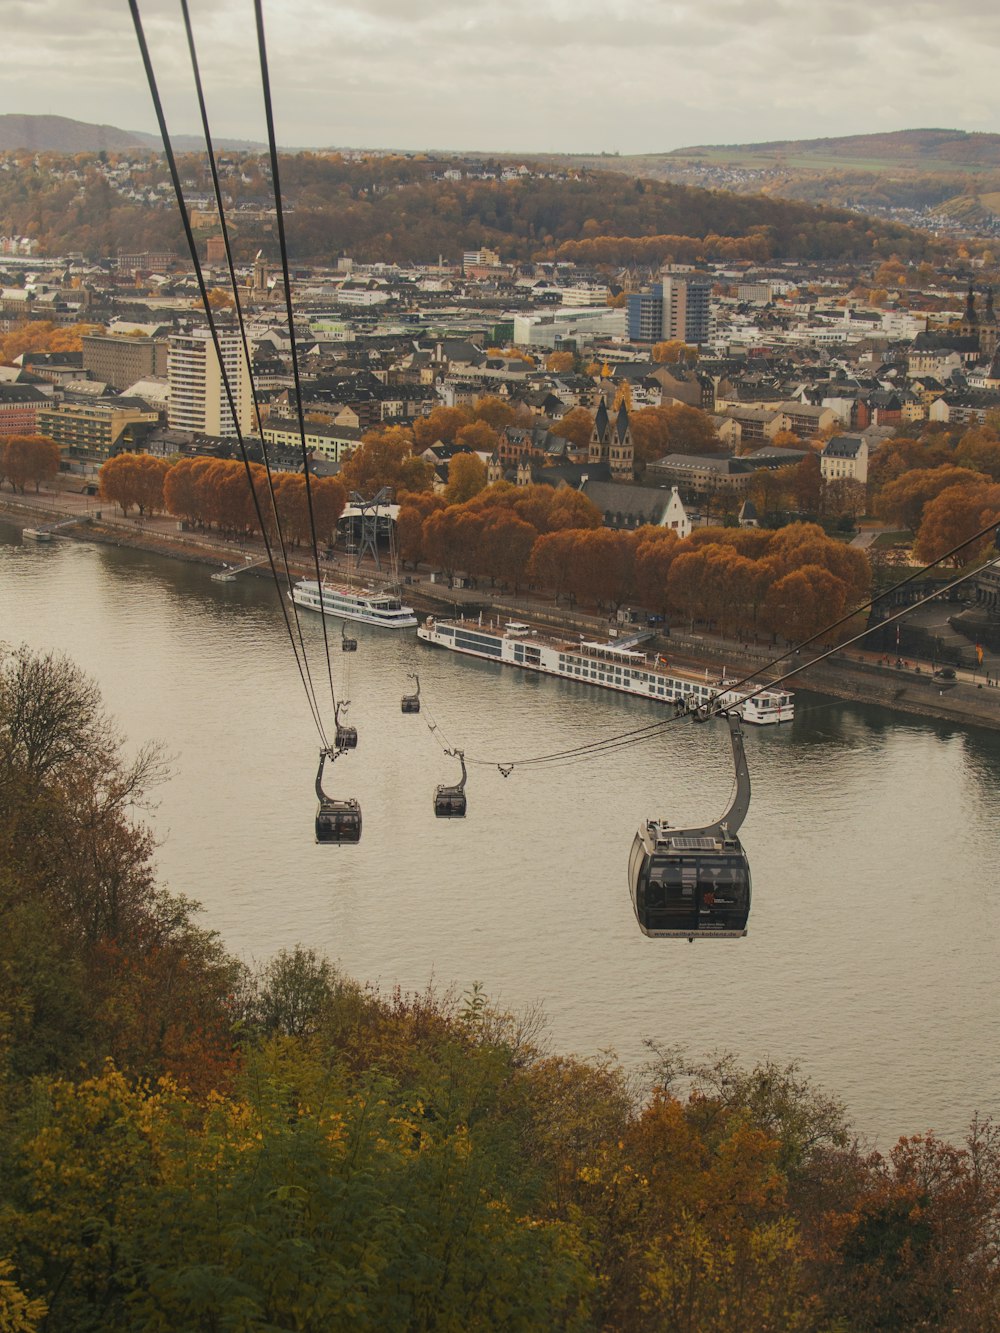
(872, 953)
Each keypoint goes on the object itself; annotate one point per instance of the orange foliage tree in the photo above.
(903, 500)
(466, 476)
(134, 479)
(673, 351)
(577, 426)
(386, 458)
(28, 459)
(494, 411)
(677, 429)
(443, 424)
(42, 335)
(953, 518)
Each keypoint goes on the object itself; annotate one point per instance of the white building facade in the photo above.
(198, 399)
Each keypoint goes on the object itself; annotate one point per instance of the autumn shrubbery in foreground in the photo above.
(190, 1144)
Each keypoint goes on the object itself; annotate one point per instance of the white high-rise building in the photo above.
(198, 400)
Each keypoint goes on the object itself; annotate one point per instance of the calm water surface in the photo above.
(874, 936)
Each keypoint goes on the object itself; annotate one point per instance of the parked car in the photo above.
(945, 673)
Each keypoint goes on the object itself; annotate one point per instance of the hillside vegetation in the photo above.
(401, 208)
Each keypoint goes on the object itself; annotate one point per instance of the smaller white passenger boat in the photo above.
(365, 604)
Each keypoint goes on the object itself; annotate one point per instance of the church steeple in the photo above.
(970, 306)
(598, 452)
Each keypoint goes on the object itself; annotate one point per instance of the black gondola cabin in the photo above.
(695, 882)
(449, 801)
(410, 703)
(336, 821)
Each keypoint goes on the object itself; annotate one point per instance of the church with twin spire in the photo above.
(611, 443)
(981, 325)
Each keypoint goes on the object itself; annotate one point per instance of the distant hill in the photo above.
(906, 175)
(416, 207)
(60, 134)
(928, 150)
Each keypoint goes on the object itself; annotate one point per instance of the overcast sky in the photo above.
(521, 75)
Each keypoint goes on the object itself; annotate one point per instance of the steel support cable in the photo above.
(303, 666)
(286, 281)
(637, 735)
(279, 532)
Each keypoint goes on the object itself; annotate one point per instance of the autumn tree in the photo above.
(43, 336)
(904, 500)
(443, 424)
(603, 567)
(385, 458)
(953, 518)
(577, 426)
(28, 459)
(979, 448)
(799, 604)
(560, 363)
(674, 350)
(134, 479)
(466, 478)
(450, 537)
(413, 509)
(78, 883)
(505, 546)
(551, 561)
(298, 517)
(677, 429)
(494, 411)
(477, 437)
(654, 554)
(569, 508)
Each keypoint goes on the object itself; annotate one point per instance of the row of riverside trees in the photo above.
(213, 493)
(193, 1143)
(791, 581)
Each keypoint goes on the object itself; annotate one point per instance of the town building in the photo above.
(93, 432)
(676, 307)
(611, 443)
(845, 458)
(19, 408)
(119, 361)
(198, 397)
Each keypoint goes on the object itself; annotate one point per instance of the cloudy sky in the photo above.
(522, 75)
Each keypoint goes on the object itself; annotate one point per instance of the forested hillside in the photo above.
(403, 208)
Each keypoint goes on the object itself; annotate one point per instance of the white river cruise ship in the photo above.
(610, 666)
(364, 604)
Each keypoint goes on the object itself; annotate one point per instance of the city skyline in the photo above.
(557, 78)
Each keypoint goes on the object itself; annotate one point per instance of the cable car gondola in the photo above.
(347, 643)
(695, 882)
(410, 703)
(449, 801)
(347, 737)
(336, 821)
